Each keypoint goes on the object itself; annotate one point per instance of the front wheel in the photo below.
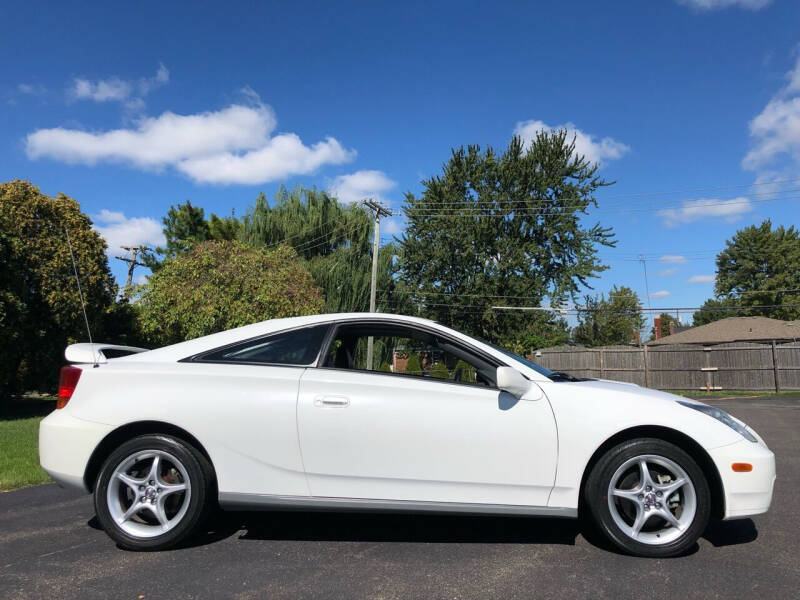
(153, 492)
(649, 497)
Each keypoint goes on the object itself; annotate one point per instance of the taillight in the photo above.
(66, 384)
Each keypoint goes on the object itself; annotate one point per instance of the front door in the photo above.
(424, 423)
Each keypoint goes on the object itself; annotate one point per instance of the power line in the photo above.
(689, 191)
(532, 212)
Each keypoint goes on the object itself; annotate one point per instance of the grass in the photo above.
(19, 442)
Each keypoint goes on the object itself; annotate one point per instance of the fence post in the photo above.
(602, 364)
(646, 369)
(775, 367)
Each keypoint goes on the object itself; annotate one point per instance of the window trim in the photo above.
(200, 356)
(337, 325)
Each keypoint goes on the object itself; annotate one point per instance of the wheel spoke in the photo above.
(641, 518)
(131, 482)
(670, 488)
(161, 513)
(154, 468)
(171, 488)
(631, 495)
(644, 474)
(132, 510)
(667, 515)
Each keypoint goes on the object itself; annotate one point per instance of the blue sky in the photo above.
(692, 106)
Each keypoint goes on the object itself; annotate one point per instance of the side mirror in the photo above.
(512, 381)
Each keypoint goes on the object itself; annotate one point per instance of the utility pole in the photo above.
(132, 262)
(378, 211)
(643, 258)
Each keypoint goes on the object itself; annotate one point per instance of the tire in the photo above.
(646, 510)
(153, 492)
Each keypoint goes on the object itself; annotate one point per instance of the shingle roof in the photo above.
(735, 329)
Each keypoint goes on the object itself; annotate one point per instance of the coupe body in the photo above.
(375, 411)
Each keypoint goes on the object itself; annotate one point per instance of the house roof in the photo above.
(735, 329)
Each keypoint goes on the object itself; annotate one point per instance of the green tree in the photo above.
(219, 285)
(757, 275)
(540, 329)
(502, 229)
(714, 310)
(335, 240)
(414, 364)
(439, 371)
(604, 322)
(40, 310)
(186, 225)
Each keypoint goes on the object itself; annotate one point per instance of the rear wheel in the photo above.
(153, 492)
(649, 497)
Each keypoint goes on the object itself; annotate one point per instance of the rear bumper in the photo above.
(66, 444)
(746, 494)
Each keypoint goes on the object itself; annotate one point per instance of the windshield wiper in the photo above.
(562, 376)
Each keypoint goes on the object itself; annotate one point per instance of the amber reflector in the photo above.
(742, 467)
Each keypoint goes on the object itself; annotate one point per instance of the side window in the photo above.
(297, 347)
(406, 351)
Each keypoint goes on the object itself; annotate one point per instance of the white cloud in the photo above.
(672, 258)
(660, 294)
(775, 132)
(31, 89)
(391, 226)
(668, 272)
(706, 208)
(231, 145)
(717, 4)
(116, 89)
(701, 279)
(595, 150)
(360, 185)
(280, 156)
(119, 230)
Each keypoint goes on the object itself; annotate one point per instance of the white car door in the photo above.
(381, 434)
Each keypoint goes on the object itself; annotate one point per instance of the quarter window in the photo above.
(298, 347)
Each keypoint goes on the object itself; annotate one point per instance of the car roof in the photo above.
(182, 350)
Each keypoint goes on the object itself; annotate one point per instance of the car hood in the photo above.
(624, 388)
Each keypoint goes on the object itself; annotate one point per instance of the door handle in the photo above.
(332, 401)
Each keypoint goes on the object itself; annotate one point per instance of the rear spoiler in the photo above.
(93, 353)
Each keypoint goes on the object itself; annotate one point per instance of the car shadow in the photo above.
(731, 533)
(427, 528)
(387, 527)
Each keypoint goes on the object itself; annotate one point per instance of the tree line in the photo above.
(491, 229)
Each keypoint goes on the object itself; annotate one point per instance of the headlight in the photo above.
(722, 417)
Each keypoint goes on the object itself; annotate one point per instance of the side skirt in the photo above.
(239, 501)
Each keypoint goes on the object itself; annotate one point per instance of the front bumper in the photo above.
(746, 494)
(66, 444)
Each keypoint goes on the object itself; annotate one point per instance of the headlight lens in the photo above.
(722, 417)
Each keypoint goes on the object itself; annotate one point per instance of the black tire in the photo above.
(201, 499)
(596, 496)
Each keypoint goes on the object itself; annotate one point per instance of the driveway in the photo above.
(50, 546)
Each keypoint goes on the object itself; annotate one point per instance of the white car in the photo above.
(375, 411)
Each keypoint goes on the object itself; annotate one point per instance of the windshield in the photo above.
(538, 368)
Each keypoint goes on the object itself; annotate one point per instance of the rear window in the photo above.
(299, 347)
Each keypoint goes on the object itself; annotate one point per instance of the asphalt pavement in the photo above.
(51, 547)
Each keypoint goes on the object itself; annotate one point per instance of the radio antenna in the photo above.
(80, 295)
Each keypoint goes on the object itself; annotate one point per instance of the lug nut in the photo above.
(649, 488)
(659, 494)
(151, 482)
(641, 496)
(658, 504)
(141, 488)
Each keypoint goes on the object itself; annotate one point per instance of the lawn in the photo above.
(19, 443)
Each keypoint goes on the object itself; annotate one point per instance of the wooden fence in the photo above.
(738, 366)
